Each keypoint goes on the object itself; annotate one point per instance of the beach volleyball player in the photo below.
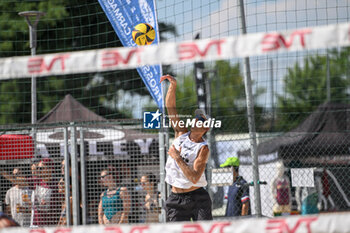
(185, 165)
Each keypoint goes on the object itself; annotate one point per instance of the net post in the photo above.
(251, 120)
(33, 42)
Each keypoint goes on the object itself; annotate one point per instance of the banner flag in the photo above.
(124, 15)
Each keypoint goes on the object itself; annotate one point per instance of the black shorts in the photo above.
(194, 205)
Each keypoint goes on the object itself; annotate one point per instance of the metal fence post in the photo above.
(162, 174)
(75, 175)
(251, 120)
(162, 161)
(83, 177)
(166, 138)
(67, 176)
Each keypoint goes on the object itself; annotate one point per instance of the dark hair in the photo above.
(236, 169)
(19, 171)
(112, 171)
(48, 163)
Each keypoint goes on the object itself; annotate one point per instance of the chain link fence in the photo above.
(77, 173)
(101, 173)
(302, 170)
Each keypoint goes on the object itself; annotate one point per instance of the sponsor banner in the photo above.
(309, 224)
(336, 35)
(124, 16)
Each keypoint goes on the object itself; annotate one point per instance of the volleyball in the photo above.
(143, 34)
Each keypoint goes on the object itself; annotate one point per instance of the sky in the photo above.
(221, 18)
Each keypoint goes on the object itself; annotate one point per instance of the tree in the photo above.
(306, 86)
(67, 26)
(228, 96)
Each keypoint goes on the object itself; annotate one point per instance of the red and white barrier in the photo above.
(170, 53)
(310, 224)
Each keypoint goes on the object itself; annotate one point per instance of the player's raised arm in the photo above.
(170, 104)
(192, 173)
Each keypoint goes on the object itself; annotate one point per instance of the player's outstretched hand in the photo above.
(170, 78)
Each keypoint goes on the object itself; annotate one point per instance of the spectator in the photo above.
(63, 168)
(238, 203)
(282, 193)
(114, 206)
(63, 217)
(18, 197)
(309, 198)
(6, 221)
(34, 179)
(151, 206)
(44, 197)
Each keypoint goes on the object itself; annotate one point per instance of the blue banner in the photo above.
(124, 15)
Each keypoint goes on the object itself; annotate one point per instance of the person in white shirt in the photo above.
(186, 165)
(18, 198)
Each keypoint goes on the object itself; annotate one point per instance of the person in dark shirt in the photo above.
(238, 201)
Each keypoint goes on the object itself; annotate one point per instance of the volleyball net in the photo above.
(93, 106)
(102, 60)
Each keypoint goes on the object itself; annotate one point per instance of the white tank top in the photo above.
(189, 152)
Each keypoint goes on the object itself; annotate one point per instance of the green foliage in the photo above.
(14, 31)
(306, 86)
(229, 86)
(226, 88)
(14, 107)
(227, 97)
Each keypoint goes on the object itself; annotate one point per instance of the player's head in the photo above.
(200, 119)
